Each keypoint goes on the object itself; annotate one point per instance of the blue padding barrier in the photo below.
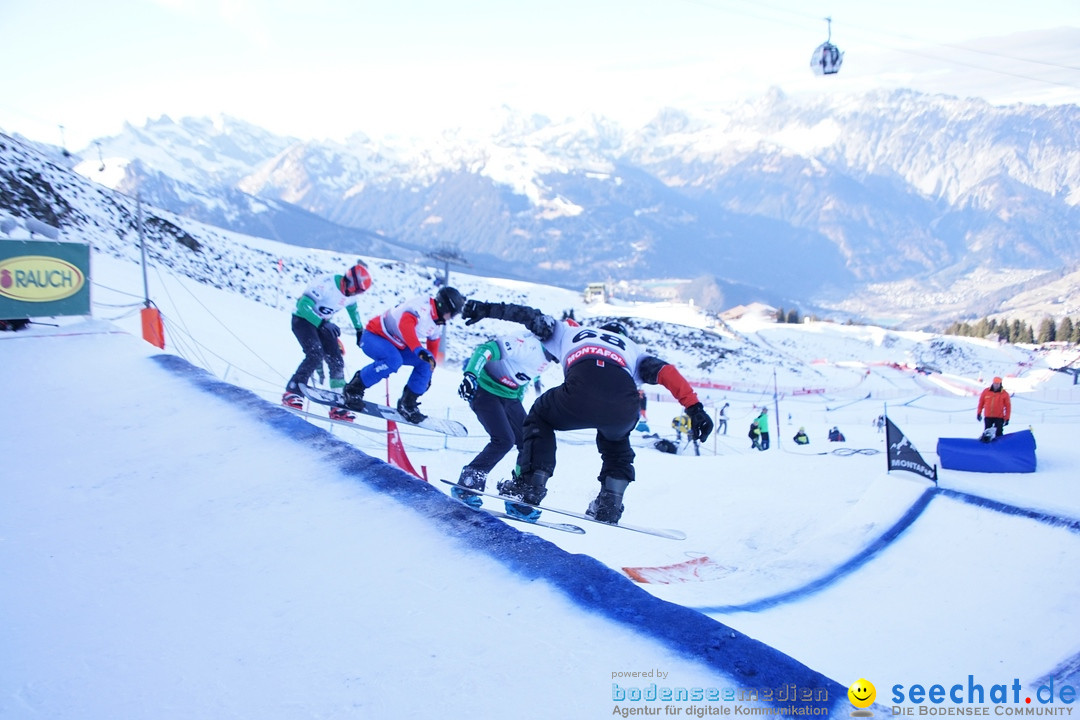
(1010, 453)
(588, 582)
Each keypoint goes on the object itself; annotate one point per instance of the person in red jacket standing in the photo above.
(995, 406)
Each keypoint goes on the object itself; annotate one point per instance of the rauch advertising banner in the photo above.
(43, 279)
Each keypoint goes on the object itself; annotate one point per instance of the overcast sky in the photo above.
(328, 68)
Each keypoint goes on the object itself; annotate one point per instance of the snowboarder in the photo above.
(602, 368)
(318, 337)
(995, 406)
(801, 438)
(407, 334)
(762, 421)
(835, 435)
(494, 382)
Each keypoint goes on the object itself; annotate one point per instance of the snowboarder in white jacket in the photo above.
(318, 336)
(602, 369)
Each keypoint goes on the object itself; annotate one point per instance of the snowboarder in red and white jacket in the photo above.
(407, 334)
(602, 368)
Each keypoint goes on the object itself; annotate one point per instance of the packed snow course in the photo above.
(176, 545)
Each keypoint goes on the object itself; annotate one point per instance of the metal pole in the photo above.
(776, 406)
(142, 247)
(885, 414)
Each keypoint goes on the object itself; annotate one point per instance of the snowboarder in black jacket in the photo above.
(602, 368)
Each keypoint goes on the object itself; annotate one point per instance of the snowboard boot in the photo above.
(293, 400)
(607, 507)
(353, 392)
(473, 479)
(522, 512)
(409, 407)
(527, 487)
(337, 413)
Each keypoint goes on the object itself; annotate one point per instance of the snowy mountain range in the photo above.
(900, 208)
(272, 274)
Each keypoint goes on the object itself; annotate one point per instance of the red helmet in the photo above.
(356, 280)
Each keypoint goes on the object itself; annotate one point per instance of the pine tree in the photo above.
(793, 316)
(780, 315)
(1065, 330)
(1027, 336)
(1015, 331)
(1046, 331)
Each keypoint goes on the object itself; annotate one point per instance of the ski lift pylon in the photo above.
(827, 58)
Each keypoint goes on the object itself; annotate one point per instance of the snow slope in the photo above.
(173, 554)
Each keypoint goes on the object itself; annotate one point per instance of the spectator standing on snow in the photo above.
(681, 425)
(763, 429)
(721, 419)
(995, 406)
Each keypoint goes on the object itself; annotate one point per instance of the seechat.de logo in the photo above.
(38, 278)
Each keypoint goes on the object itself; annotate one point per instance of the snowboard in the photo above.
(564, 527)
(336, 399)
(658, 532)
(324, 418)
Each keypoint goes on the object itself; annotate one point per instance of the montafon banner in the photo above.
(43, 279)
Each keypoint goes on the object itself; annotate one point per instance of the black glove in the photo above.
(542, 326)
(359, 336)
(426, 356)
(978, 416)
(467, 389)
(700, 422)
(331, 328)
(475, 311)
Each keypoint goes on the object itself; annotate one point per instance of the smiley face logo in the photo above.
(862, 693)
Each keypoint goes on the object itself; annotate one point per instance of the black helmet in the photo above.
(448, 300)
(616, 327)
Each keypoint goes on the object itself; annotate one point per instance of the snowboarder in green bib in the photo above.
(495, 380)
(318, 337)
